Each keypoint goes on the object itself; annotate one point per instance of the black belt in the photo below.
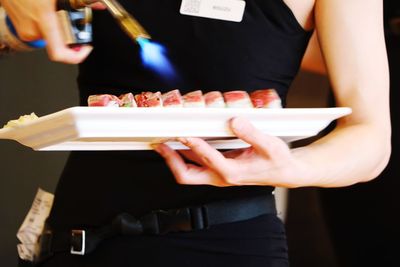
(84, 241)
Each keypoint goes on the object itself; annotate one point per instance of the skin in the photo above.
(350, 34)
(37, 19)
(351, 37)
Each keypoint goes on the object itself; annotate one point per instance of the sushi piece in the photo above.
(194, 99)
(266, 98)
(172, 99)
(237, 99)
(149, 99)
(214, 99)
(127, 100)
(104, 100)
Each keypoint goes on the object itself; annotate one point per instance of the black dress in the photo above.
(262, 51)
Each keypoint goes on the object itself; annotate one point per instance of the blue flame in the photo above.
(154, 57)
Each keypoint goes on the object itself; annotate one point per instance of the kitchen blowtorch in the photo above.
(153, 54)
(127, 22)
(75, 18)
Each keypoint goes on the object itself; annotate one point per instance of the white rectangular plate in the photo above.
(104, 128)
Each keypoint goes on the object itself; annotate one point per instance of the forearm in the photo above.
(348, 155)
(355, 55)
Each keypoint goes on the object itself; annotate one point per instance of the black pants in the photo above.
(363, 218)
(258, 242)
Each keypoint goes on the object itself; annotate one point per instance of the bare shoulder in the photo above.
(303, 10)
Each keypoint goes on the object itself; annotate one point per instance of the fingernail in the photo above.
(238, 123)
(77, 48)
(85, 49)
(156, 147)
(183, 141)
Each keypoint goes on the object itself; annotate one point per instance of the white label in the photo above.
(33, 224)
(230, 10)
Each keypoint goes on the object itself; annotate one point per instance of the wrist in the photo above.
(305, 170)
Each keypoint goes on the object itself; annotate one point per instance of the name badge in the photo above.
(230, 10)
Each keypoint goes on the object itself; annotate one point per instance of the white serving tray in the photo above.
(106, 128)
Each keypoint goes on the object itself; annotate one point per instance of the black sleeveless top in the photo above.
(262, 51)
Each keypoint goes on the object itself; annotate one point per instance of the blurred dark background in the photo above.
(28, 83)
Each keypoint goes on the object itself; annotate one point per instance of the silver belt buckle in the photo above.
(81, 233)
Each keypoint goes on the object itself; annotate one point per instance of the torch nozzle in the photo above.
(128, 23)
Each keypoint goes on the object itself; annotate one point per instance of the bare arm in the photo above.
(352, 43)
